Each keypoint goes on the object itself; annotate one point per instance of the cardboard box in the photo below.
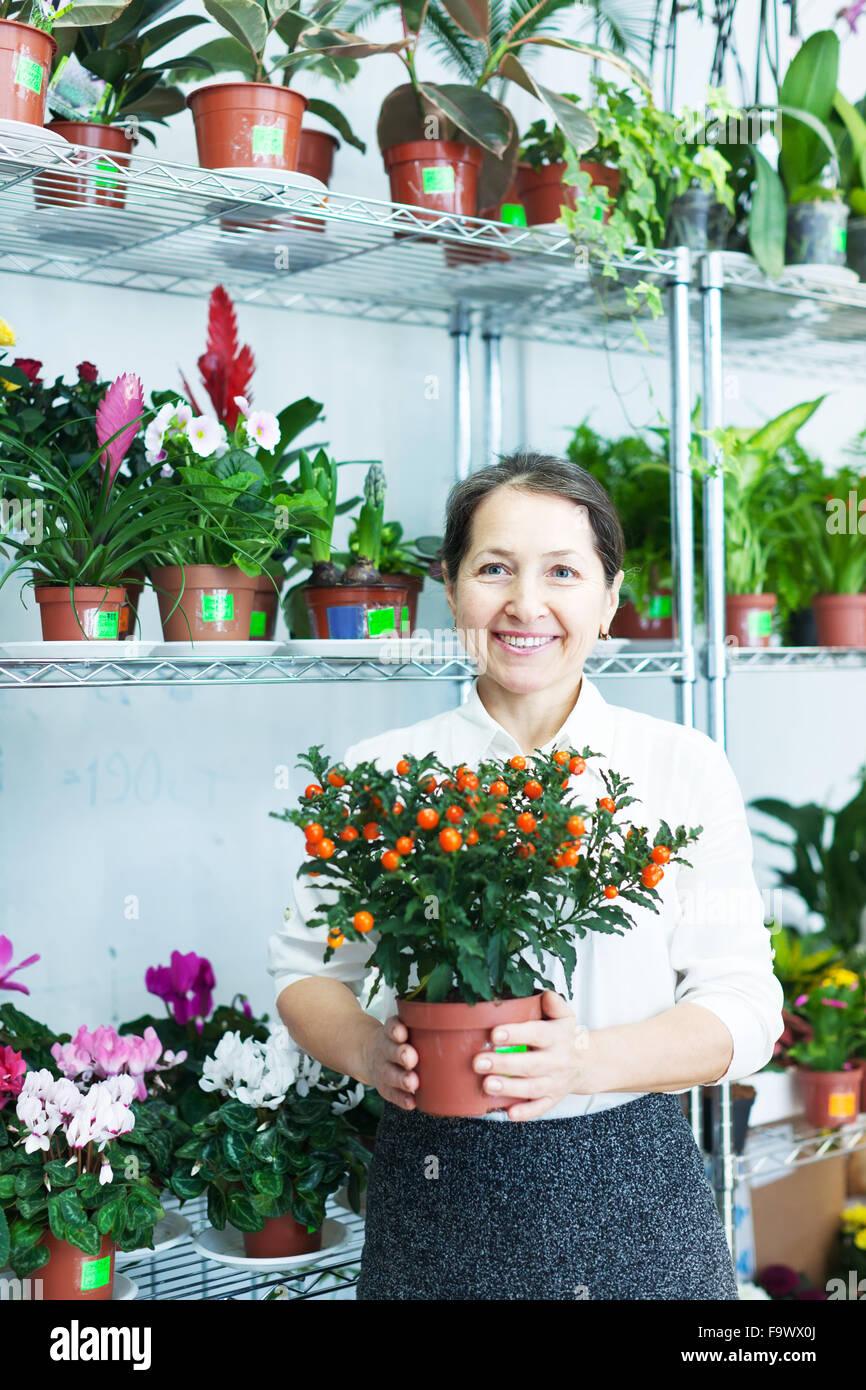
(796, 1217)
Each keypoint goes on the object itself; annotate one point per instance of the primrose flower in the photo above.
(243, 405)
(206, 435)
(263, 430)
(169, 423)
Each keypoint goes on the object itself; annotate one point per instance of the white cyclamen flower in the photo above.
(353, 1098)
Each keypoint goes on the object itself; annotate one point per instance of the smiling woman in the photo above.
(594, 1187)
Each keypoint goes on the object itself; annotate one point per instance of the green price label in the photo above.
(268, 139)
(28, 73)
(660, 606)
(108, 177)
(257, 624)
(760, 624)
(95, 1274)
(513, 213)
(518, 1047)
(841, 238)
(438, 178)
(218, 607)
(404, 622)
(381, 620)
(106, 625)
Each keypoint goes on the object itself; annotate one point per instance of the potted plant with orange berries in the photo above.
(467, 884)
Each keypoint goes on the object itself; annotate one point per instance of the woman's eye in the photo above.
(565, 572)
(485, 569)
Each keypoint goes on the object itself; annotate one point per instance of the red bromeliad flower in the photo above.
(6, 972)
(226, 369)
(12, 1069)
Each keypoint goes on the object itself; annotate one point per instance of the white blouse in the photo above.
(706, 945)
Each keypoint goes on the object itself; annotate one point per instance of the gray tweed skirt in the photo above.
(611, 1205)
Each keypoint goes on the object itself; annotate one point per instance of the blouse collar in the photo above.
(590, 724)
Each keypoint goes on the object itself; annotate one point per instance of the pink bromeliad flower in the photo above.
(6, 972)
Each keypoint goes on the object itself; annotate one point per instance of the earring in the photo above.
(604, 635)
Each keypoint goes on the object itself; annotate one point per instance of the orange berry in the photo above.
(575, 825)
(370, 830)
(610, 891)
(661, 854)
(498, 788)
(313, 847)
(348, 833)
(517, 762)
(403, 767)
(524, 851)
(390, 860)
(607, 803)
(398, 808)
(471, 783)
(568, 858)
(450, 839)
(362, 921)
(314, 832)
(377, 803)
(651, 875)
(499, 834)
(576, 766)
(428, 819)
(454, 814)
(561, 758)
(472, 837)
(526, 822)
(313, 790)
(533, 789)
(326, 848)
(405, 845)
(463, 772)
(336, 779)
(335, 938)
(429, 785)
(490, 818)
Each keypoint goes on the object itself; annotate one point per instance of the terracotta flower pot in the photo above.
(282, 1235)
(98, 608)
(316, 150)
(25, 68)
(657, 623)
(102, 186)
(263, 619)
(543, 193)
(413, 584)
(356, 610)
(72, 1275)
(831, 1098)
(217, 602)
(247, 125)
(749, 618)
(128, 625)
(447, 1037)
(840, 619)
(510, 210)
(437, 174)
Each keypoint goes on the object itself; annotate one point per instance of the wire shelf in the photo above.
(181, 1273)
(38, 672)
(177, 229)
(797, 1146)
(796, 658)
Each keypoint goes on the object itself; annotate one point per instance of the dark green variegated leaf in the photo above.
(241, 1212)
(244, 19)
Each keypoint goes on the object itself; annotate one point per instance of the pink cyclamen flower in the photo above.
(851, 13)
(12, 1069)
(185, 985)
(835, 1003)
(6, 981)
(800, 1000)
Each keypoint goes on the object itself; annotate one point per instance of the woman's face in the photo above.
(530, 595)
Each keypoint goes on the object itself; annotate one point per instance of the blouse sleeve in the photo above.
(719, 946)
(297, 951)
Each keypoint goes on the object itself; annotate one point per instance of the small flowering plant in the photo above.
(281, 1140)
(852, 1240)
(834, 1009)
(63, 1170)
(240, 511)
(466, 875)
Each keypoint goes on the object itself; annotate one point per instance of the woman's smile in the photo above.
(525, 643)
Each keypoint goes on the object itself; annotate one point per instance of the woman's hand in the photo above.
(388, 1064)
(558, 1064)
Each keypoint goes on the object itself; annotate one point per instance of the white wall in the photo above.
(156, 801)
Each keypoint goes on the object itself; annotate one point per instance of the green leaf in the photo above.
(268, 1182)
(86, 1238)
(224, 55)
(439, 983)
(767, 219)
(185, 1186)
(472, 16)
(111, 1213)
(4, 1238)
(95, 13)
(809, 87)
(239, 1117)
(327, 111)
(244, 19)
(241, 1212)
(474, 112)
(72, 1208)
(216, 1208)
(235, 1148)
(601, 55)
(770, 438)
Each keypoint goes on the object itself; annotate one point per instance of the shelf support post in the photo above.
(682, 528)
(491, 333)
(713, 493)
(460, 328)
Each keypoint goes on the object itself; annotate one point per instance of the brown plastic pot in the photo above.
(72, 1275)
(438, 174)
(247, 125)
(413, 584)
(447, 1037)
(133, 584)
(103, 186)
(316, 150)
(216, 606)
(282, 1235)
(263, 619)
(749, 618)
(543, 193)
(840, 619)
(510, 210)
(98, 608)
(356, 610)
(657, 623)
(830, 1098)
(25, 67)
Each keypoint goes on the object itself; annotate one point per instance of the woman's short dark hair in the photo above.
(533, 473)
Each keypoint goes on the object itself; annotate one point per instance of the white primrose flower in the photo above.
(206, 436)
(262, 430)
(170, 421)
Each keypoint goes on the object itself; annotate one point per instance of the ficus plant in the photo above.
(43, 14)
(486, 42)
(461, 876)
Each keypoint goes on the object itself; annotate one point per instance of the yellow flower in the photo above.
(860, 1240)
(7, 334)
(855, 1215)
(841, 978)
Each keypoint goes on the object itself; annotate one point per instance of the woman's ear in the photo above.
(449, 591)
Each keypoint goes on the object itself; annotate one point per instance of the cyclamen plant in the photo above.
(105, 1053)
(465, 873)
(279, 1142)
